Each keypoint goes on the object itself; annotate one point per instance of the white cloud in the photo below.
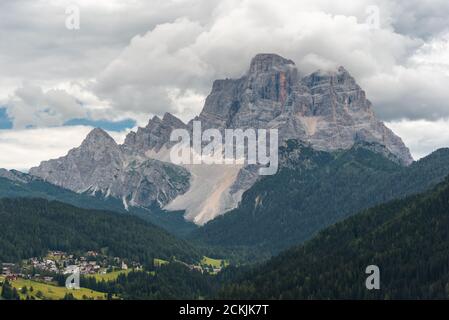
(418, 18)
(142, 78)
(422, 136)
(186, 103)
(132, 55)
(434, 53)
(136, 58)
(31, 106)
(23, 149)
(415, 89)
(186, 55)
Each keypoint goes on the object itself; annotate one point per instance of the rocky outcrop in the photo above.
(15, 175)
(154, 136)
(94, 165)
(101, 166)
(327, 109)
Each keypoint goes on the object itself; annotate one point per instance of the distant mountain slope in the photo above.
(15, 184)
(315, 189)
(407, 239)
(100, 165)
(30, 227)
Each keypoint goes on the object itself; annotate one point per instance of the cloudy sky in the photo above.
(130, 60)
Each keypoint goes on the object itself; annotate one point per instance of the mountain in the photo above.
(101, 165)
(407, 239)
(16, 176)
(35, 226)
(315, 189)
(15, 184)
(154, 136)
(326, 109)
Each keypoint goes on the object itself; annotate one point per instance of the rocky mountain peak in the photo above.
(154, 135)
(325, 108)
(172, 121)
(342, 70)
(99, 136)
(338, 77)
(265, 62)
(101, 166)
(155, 121)
(168, 120)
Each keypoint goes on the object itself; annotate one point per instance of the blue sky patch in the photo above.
(103, 124)
(5, 121)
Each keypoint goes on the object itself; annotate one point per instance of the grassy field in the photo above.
(216, 263)
(159, 262)
(205, 262)
(110, 275)
(51, 292)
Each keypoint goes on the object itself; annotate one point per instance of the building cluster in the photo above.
(62, 263)
(203, 268)
(9, 271)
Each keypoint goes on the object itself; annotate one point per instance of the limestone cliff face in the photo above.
(15, 175)
(327, 110)
(101, 166)
(154, 136)
(93, 165)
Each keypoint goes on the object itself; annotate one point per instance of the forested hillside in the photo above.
(31, 227)
(316, 189)
(170, 281)
(407, 239)
(31, 187)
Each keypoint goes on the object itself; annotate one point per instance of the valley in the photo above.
(347, 194)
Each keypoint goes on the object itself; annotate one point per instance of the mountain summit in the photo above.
(101, 166)
(327, 110)
(264, 62)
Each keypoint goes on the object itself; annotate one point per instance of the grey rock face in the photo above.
(102, 166)
(93, 165)
(15, 175)
(154, 136)
(327, 109)
(149, 183)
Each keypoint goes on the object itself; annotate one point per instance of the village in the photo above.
(59, 263)
(46, 277)
(55, 263)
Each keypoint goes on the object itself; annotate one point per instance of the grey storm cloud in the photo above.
(187, 54)
(135, 59)
(417, 18)
(141, 58)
